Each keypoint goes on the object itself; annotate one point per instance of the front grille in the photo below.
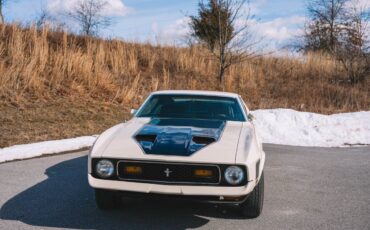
(168, 173)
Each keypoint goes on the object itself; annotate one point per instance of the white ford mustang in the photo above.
(186, 144)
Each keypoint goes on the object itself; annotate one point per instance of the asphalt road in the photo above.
(305, 188)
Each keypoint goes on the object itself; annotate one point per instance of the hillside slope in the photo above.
(54, 85)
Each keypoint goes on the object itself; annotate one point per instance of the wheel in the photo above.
(252, 207)
(106, 199)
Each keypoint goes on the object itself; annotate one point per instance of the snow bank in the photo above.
(18, 152)
(277, 126)
(290, 127)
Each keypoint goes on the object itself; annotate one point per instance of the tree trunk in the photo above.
(221, 73)
(221, 67)
(1, 13)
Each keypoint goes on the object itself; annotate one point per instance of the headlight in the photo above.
(234, 175)
(104, 168)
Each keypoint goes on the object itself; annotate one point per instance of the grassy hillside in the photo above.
(55, 85)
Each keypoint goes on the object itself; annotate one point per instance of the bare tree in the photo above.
(326, 23)
(340, 28)
(89, 14)
(2, 4)
(358, 30)
(223, 26)
(354, 54)
(43, 18)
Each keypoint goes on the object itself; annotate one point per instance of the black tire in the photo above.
(106, 199)
(252, 207)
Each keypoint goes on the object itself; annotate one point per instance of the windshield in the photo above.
(191, 106)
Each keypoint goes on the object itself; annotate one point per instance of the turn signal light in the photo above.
(203, 173)
(133, 170)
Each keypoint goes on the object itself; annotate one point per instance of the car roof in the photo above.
(196, 92)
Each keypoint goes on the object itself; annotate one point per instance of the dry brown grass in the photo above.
(38, 68)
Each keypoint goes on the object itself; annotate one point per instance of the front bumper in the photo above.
(183, 190)
(171, 197)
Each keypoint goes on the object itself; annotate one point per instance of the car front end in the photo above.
(174, 155)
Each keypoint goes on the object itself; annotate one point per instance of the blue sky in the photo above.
(165, 20)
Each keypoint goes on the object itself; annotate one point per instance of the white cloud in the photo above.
(280, 29)
(174, 33)
(273, 34)
(113, 8)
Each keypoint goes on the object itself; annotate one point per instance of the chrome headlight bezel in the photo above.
(234, 175)
(104, 168)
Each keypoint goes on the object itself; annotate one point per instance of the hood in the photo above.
(177, 140)
(179, 137)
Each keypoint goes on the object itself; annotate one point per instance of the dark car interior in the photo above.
(190, 106)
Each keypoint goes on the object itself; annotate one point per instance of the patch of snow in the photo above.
(290, 127)
(18, 152)
(276, 126)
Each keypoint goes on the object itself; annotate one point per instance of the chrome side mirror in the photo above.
(250, 117)
(133, 111)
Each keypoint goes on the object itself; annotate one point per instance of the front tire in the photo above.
(252, 207)
(106, 199)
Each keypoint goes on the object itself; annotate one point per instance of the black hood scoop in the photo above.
(178, 137)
